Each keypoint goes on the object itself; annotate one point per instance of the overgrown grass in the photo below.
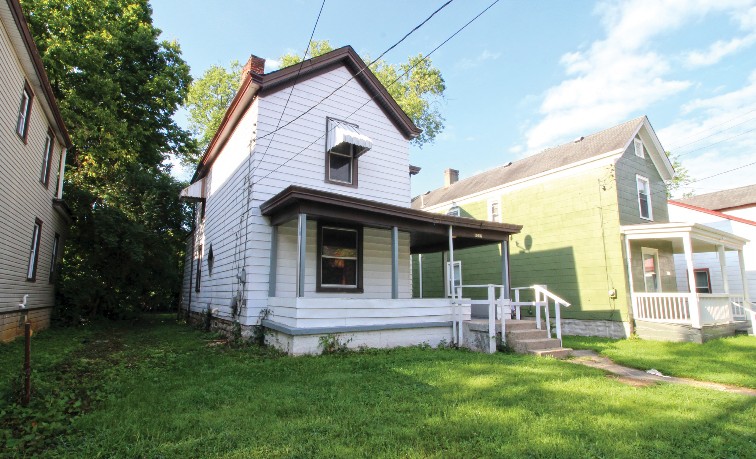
(726, 360)
(168, 394)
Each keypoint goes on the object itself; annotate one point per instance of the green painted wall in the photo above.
(627, 190)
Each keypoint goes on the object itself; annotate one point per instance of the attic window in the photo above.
(638, 143)
(344, 145)
(453, 211)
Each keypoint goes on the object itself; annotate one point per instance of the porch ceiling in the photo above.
(428, 231)
(703, 238)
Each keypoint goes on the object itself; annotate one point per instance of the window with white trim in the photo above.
(638, 144)
(44, 177)
(644, 198)
(54, 257)
(24, 111)
(494, 214)
(457, 276)
(651, 277)
(453, 211)
(31, 269)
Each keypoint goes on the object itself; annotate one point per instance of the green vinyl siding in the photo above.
(628, 167)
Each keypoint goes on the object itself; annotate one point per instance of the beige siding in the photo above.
(24, 198)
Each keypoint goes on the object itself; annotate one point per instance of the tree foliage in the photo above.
(416, 85)
(207, 101)
(118, 87)
(681, 178)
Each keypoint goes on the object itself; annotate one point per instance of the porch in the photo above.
(685, 313)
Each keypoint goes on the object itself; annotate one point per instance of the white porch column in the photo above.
(505, 270)
(695, 312)
(273, 261)
(394, 263)
(634, 307)
(301, 253)
(751, 314)
(420, 272)
(451, 264)
(723, 267)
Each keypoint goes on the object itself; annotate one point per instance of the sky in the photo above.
(526, 75)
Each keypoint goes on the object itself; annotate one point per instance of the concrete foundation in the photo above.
(683, 333)
(601, 328)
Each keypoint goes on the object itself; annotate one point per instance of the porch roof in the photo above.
(703, 238)
(428, 231)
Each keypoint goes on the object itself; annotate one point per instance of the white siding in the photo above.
(295, 155)
(24, 198)
(711, 260)
(376, 263)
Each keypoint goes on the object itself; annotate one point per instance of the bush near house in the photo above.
(726, 360)
(154, 388)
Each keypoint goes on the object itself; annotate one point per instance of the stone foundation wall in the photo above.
(601, 328)
(683, 333)
(217, 324)
(11, 323)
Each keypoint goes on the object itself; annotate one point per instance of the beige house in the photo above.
(33, 144)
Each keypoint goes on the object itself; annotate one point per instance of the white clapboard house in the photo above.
(33, 143)
(303, 218)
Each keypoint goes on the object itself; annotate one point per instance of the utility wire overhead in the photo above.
(388, 86)
(715, 143)
(709, 129)
(714, 133)
(725, 172)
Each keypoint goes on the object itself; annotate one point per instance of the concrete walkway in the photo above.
(636, 377)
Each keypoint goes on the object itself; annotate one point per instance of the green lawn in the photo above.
(727, 360)
(156, 389)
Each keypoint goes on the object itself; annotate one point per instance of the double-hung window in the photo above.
(651, 274)
(31, 269)
(452, 285)
(340, 259)
(54, 258)
(344, 145)
(494, 214)
(644, 198)
(44, 177)
(24, 111)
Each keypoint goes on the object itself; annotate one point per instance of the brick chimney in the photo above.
(255, 65)
(451, 176)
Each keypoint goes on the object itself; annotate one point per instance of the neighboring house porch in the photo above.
(667, 311)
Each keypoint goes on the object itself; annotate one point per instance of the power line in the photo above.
(717, 142)
(712, 127)
(725, 172)
(359, 72)
(714, 133)
(387, 86)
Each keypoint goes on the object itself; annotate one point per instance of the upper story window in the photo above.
(494, 214)
(638, 144)
(31, 269)
(44, 177)
(344, 145)
(24, 112)
(644, 198)
(453, 211)
(340, 259)
(54, 257)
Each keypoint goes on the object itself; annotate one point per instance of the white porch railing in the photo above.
(711, 308)
(500, 308)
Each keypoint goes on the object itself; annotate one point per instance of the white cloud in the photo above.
(469, 63)
(718, 50)
(272, 64)
(620, 75)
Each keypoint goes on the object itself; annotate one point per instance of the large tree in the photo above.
(118, 87)
(416, 86)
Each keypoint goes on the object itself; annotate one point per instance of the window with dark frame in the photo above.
(24, 111)
(210, 260)
(31, 270)
(54, 258)
(199, 269)
(340, 259)
(44, 177)
(344, 145)
(341, 164)
(703, 280)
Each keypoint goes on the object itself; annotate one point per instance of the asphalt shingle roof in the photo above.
(725, 199)
(552, 158)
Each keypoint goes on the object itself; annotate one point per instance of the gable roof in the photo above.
(745, 196)
(715, 213)
(613, 140)
(254, 84)
(31, 62)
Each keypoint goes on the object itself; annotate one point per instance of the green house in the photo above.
(584, 206)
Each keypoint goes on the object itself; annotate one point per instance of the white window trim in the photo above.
(640, 178)
(491, 202)
(655, 254)
(638, 145)
(23, 113)
(453, 211)
(48, 153)
(448, 276)
(31, 268)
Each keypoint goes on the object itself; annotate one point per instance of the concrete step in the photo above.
(558, 353)
(517, 335)
(525, 345)
(513, 324)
